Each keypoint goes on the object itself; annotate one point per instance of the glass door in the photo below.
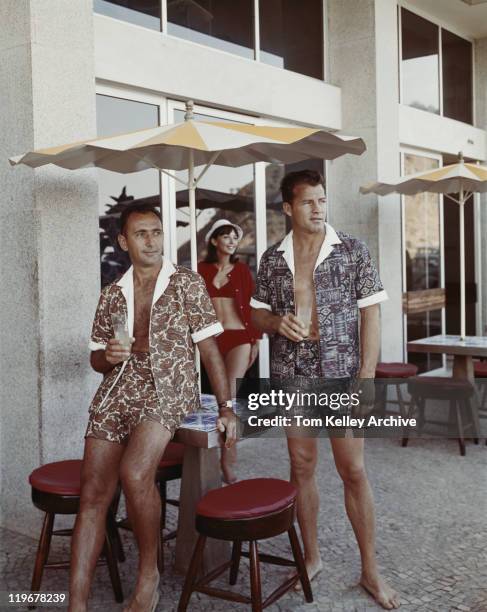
(423, 267)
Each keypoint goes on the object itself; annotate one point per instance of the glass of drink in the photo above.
(121, 329)
(303, 313)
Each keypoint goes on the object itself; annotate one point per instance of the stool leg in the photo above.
(114, 531)
(300, 565)
(461, 441)
(400, 399)
(163, 494)
(236, 552)
(412, 406)
(42, 551)
(160, 551)
(111, 558)
(472, 407)
(255, 586)
(191, 574)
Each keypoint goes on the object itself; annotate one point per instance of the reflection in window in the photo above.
(422, 325)
(423, 259)
(420, 63)
(223, 193)
(291, 35)
(422, 231)
(216, 23)
(115, 116)
(457, 77)
(278, 224)
(146, 13)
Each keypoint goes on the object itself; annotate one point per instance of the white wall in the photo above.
(181, 69)
(420, 129)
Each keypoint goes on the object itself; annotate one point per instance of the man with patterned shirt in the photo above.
(329, 275)
(150, 384)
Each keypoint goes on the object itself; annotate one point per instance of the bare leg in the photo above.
(359, 503)
(303, 454)
(99, 477)
(236, 362)
(137, 473)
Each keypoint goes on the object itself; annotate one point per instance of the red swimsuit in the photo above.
(240, 288)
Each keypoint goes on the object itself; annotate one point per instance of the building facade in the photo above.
(409, 77)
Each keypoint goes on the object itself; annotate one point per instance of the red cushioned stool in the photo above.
(170, 468)
(56, 489)
(394, 370)
(249, 510)
(457, 392)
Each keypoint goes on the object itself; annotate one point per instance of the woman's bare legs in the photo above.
(236, 364)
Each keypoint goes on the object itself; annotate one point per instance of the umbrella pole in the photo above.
(192, 211)
(462, 265)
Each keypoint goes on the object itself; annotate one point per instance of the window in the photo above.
(215, 23)
(457, 77)
(116, 116)
(223, 193)
(146, 13)
(421, 58)
(291, 35)
(420, 63)
(290, 32)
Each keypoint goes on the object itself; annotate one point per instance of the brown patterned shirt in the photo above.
(182, 315)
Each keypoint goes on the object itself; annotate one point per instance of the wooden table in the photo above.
(201, 472)
(463, 351)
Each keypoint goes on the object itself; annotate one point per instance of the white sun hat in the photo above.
(221, 223)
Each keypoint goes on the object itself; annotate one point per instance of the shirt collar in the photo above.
(127, 280)
(331, 238)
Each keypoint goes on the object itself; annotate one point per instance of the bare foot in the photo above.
(378, 588)
(146, 595)
(313, 568)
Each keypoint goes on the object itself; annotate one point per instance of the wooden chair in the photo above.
(457, 393)
(396, 374)
(56, 490)
(249, 510)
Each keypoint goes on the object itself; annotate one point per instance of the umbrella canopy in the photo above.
(460, 178)
(193, 143)
(449, 179)
(167, 147)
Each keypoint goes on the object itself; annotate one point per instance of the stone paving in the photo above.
(431, 544)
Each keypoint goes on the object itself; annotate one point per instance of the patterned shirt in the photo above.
(182, 314)
(345, 280)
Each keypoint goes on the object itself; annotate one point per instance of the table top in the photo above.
(199, 428)
(474, 346)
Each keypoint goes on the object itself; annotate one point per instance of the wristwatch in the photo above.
(227, 405)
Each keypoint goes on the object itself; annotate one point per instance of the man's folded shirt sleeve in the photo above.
(368, 286)
(203, 321)
(261, 297)
(102, 329)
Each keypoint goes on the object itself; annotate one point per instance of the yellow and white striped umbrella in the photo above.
(166, 147)
(460, 178)
(191, 143)
(449, 179)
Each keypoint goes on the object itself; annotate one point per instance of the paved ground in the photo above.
(431, 523)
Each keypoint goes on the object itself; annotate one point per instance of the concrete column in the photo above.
(480, 102)
(48, 243)
(362, 59)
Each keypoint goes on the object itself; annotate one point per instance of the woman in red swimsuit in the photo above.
(230, 286)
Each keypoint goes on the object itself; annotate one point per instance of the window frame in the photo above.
(442, 25)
